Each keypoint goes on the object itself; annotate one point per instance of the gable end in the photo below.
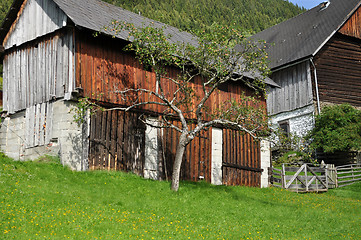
(352, 27)
(35, 18)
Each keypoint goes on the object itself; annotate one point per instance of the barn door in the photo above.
(241, 161)
(117, 141)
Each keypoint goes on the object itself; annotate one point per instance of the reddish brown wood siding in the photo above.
(241, 159)
(196, 160)
(102, 68)
(353, 25)
(338, 67)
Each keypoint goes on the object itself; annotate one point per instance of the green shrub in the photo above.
(337, 128)
(289, 148)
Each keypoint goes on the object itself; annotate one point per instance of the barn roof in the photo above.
(96, 14)
(303, 36)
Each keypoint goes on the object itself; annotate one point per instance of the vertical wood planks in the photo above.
(241, 159)
(117, 141)
(38, 124)
(295, 91)
(117, 70)
(120, 141)
(45, 16)
(32, 72)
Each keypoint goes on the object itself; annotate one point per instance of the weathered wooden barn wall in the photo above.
(117, 142)
(197, 158)
(36, 18)
(46, 129)
(338, 63)
(1, 98)
(241, 159)
(353, 25)
(295, 91)
(102, 69)
(38, 71)
(38, 124)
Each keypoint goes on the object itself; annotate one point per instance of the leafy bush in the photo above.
(337, 128)
(289, 148)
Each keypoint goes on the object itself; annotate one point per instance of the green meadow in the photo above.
(44, 200)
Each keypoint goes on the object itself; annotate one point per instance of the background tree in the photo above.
(337, 128)
(214, 58)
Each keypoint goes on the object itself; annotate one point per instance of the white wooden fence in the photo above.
(307, 178)
(348, 174)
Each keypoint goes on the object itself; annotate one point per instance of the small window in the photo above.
(285, 127)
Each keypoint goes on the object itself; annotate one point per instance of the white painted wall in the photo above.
(265, 162)
(151, 165)
(217, 145)
(68, 140)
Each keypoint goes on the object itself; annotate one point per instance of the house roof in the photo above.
(96, 14)
(303, 36)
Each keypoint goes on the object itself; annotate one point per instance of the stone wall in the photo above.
(67, 140)
(300, 120)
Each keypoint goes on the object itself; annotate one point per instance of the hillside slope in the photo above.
(48, 201)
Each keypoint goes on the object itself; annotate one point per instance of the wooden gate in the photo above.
(331, 176)
(348, 174)
(241, 159)
(304, 179)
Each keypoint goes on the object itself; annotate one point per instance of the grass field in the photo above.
(48, 201)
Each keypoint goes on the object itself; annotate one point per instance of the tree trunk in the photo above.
(178, 161)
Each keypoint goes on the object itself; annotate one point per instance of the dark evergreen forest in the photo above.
(247, 15)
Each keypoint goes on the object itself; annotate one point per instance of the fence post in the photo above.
(306, 177)
(270, 175)
(283, 173)
(336, 178)
(326, 175)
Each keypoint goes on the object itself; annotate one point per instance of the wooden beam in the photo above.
(231, 165)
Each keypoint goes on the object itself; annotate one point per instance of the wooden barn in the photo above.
(51, 58)
(316, 59)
